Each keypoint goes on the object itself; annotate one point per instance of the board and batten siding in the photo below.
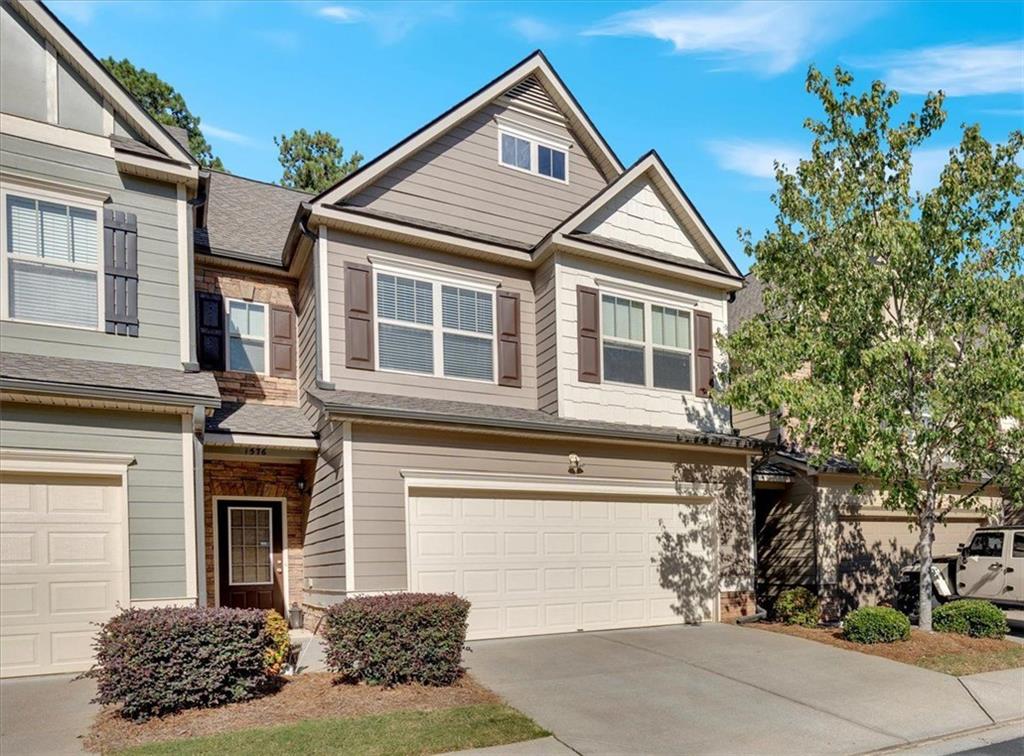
(155, 204)
(156, 524)
(637, 405)
(457, 181)
(349, 248)
(323, 547)
(638, 215)
(380, 453)
(547, 337)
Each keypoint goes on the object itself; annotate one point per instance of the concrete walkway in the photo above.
(725, 689)
(45, 715)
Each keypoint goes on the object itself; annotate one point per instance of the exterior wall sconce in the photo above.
(301, 485)
(575, 466)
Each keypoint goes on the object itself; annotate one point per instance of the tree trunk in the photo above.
(926, 522)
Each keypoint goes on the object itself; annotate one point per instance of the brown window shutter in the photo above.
(703, 338)
(588, 334)
(210, 330)
(510, 357)
(358, 316)
(282, 342)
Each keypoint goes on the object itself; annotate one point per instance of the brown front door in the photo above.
(250, 554)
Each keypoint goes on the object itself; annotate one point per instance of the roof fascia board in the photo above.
(533, 64)
(108, 392)
(147, 167)
(72, 48)
(346, 221)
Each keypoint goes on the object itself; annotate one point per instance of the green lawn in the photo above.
(403, 732)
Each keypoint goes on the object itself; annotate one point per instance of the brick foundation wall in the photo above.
(736, 604)
(226, 479)
(238, 386)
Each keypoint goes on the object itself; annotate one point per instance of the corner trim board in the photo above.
(321, 274)
(188, 491)
(349, 506)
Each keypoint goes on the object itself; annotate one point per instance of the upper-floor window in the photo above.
(434, 328)
(535, 153)
(646, 344)
(51, 262)
(247, 336)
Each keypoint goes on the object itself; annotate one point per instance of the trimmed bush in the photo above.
(974, 617)
(397, 638)
(876, 624)
(157, 661)
(280, 648)
(797, 606)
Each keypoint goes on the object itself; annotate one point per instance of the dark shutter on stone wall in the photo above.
(703, 352)
(282, 342)
(588, 334)
(210, 330)
(121, 272)
(358, 316)
(510, 357)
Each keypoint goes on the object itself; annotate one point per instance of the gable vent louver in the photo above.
(531, 96)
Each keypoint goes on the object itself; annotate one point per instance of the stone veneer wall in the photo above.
(238, 386)
(226, 479)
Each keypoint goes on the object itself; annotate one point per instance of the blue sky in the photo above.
(716, 88)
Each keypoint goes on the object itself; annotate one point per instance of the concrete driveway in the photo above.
(726, 689)
(45, 715)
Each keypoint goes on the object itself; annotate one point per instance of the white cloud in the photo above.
(753, 157)
(227, 135)
(928, 164)
(533, 29)
(767, 37)
(341, 14)
(958, 70)
(82, 11)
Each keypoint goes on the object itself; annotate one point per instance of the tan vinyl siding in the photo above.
(156, 524)
(547, 338)
(347, 248)
(753, 424)
(457, 181)
(380, 453)
(155, 204)
(323, 551)
(786, 556)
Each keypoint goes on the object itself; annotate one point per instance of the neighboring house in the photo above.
(480, 363)
(813, 530)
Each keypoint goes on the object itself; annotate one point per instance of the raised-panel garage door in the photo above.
(536, 566)
(61, 569)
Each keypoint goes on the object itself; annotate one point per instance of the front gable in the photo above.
(450, 176)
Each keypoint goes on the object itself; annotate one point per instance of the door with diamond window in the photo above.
(250, 555)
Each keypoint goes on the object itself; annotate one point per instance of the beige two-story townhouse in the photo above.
(481, 363)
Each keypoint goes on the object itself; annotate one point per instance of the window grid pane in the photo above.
(22, 226)
(407, 349)
(468, 357)
(622, 318)
(250, 546)
(550, 162)
(671, 370)
(670, 327)
(56, 234)
(49, 294)
(467, 310)
(623, 363)
(405, 299)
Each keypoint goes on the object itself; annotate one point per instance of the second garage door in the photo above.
(532, 566)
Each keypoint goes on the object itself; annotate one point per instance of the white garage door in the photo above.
(535, 566)
(62, 567)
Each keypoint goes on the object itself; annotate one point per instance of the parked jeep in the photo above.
(990, 567)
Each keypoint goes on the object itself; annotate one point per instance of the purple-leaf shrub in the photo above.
(397, 638)
(157, 661)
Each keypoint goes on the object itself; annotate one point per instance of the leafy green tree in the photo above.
(165, 104)
(893, 331)
(313, 162)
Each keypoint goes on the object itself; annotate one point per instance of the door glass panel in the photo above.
(251, 538)
(1018, 545)
(987, 545)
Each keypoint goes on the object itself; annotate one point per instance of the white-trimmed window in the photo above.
(646, 344)
(247, 336)
(534, 152)
(434, 326)
(52, 253)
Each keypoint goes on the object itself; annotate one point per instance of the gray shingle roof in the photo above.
(30, 372)
(247, 219)
(488, 415)
(749, 301)
(261, 419)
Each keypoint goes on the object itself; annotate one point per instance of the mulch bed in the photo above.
(312, 695)
(920, 650)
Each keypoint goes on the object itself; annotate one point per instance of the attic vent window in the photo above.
(533, 152)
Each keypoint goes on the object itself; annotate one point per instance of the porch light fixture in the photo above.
(301, 484)
(575, 466)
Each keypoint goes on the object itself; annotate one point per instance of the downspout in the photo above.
(198, 429)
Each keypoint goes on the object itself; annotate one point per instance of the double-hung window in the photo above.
(247, 336)
(434, 327)
(535, 153)
(646, 344)
(52, 262)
